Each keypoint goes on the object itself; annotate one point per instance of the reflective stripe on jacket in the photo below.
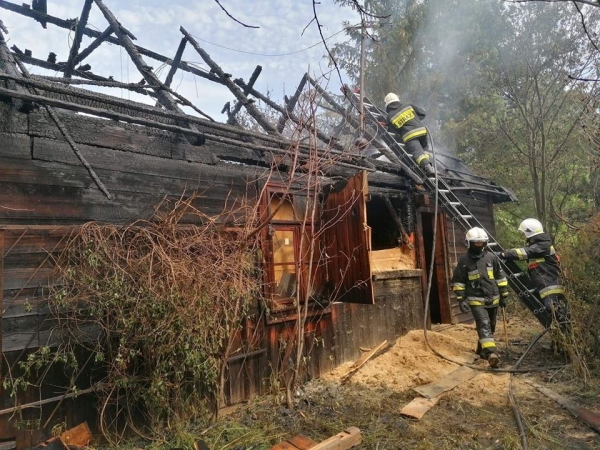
(406, 120)
(479, 279)
(543, 264)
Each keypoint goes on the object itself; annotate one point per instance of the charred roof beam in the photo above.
(235, 90)
(163, 96)
(81, 23)
(175, 63)
(231, 120)
(93, 46)
(309, 126)
(70, 23)
(290, 104)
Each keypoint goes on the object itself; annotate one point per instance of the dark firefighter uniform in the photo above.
(480, 281)
(405, 120)
(543, 265)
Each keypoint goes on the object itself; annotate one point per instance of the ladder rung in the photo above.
(466, 216)
(455, 203)
(516, 275)
(492, 244)
(443, 191)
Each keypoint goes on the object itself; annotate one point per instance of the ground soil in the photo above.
(475, 415)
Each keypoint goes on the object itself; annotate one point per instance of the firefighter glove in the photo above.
(500, 255)
(464, 308)
(503, 299)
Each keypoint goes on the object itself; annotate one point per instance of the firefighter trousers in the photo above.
(416, 147)
(485, 321)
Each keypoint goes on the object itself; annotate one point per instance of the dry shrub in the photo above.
(581, 275)
(166, 300)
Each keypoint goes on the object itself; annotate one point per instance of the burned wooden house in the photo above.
(62, 164)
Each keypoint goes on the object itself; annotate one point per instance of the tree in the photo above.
(528, 133)
(426, 51)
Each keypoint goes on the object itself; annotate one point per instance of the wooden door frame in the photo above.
(441, 267)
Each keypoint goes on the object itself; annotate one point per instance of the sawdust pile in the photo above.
(410, 363)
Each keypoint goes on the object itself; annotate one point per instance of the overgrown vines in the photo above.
(158, 304)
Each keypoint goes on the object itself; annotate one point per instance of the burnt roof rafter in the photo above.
(233, 87)
(231, 120)
(81, 23)
(70, 23)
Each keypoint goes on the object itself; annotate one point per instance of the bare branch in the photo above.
(583, 25)
(233, 18)
(585, 2)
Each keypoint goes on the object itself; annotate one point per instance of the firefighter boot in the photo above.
(429, 170)
(493, 360)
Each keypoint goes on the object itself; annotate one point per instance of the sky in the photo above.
(284, 27)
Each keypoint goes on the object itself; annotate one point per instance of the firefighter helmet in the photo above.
(476, 235)
(531, 227)
(390, 98)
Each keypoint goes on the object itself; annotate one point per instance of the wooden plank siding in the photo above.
(398, 309)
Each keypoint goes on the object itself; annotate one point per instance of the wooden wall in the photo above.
(45, 192)
(398, 309)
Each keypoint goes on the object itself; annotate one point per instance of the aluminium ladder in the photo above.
(459, 213)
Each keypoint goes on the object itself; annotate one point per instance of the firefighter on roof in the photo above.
(481, 286)
(543, 266)
(405, 120)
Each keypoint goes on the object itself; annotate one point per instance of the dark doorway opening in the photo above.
(439, 300)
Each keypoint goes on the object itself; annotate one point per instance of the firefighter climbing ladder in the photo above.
(459, 213)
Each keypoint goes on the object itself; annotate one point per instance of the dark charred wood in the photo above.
(246, 91)
(324, 138)
(176, 61)
(69, 24)
(235, 90)
(290, 104)
(93, 46)
(81, 23)
(60, 67)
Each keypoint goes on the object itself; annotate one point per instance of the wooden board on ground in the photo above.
(341, 441)
(418, 407)
(590, 418)
(79, 435)
(299, 442)
(450, 381)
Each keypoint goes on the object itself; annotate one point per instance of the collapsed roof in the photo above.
(257, 148)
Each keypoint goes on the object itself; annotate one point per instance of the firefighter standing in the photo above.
(543, 266)
(481, 286)
(405, 120)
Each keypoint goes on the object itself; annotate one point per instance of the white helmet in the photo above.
(390, 98)
(476, 235)
(531, 227)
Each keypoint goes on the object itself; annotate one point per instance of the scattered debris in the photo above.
(590, 418)
(341, 441)
(418, 407)
(79, 435)
(433, 391)
(446, 383)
